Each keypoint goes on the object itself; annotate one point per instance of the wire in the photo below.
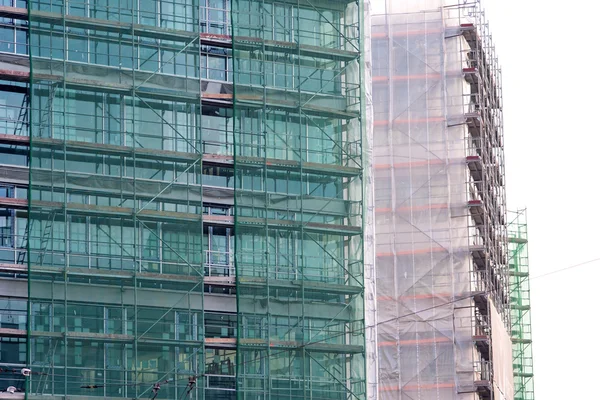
(287, 395)
(461, 298)
(155, 386)
(20, 371)
(564, 269)
(363, 328)
(103, 385)
(110, 382)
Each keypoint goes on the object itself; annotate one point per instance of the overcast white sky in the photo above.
(549, 55)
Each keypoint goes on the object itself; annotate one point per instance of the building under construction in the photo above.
(451, 288)
(189, 191)
(182, 199)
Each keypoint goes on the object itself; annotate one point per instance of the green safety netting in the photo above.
(299, 199)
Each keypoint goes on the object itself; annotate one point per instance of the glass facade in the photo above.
(181, 199)
(298, 200)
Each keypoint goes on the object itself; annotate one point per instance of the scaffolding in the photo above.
(521, 306)
(442, 266)
(118, 260)
(298, 135)
(162, 136)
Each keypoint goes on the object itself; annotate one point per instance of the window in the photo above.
(217, 17)
(9, 223)
(217, 130)
(78, 234)
(220, 363)
(13, 118)
(77, 45)
(14, 351)
(181, 244)
(217, 176)
(216, 63)
(220, 325)
(282, 22)
(178, 14)
(150, 242)
(217, 68)
(13, 36)
(6, 227)
(148, 12)
(218, 248)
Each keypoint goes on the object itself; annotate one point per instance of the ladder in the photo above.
(22, 256)
(22, 120)
(50, 364)
(45, 239)
(45, 118)
(46, 236)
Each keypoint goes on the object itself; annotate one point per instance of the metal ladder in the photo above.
(46, 235)
(22, 118)
(22, 256)
(50, 362)
(45, 239)
(45, 119)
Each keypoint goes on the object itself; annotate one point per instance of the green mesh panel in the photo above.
(298, 199)
(115, 232)
(520, 312)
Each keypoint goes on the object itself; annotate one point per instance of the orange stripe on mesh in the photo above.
(441, 339)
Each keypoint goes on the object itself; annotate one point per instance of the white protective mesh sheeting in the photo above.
(502, 356)
(425, 335)
(369, 242)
